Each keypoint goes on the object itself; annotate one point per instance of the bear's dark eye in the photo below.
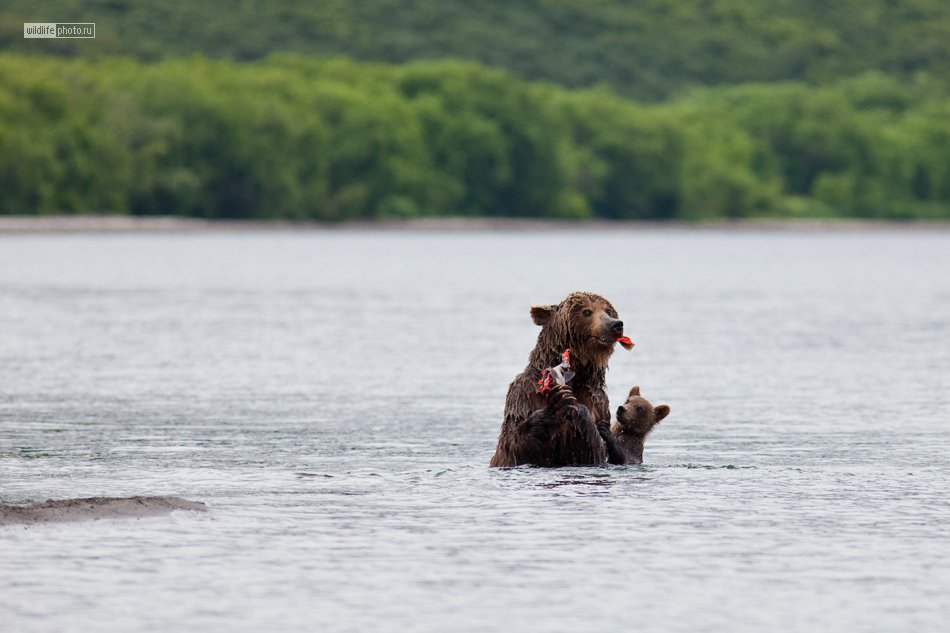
(588, 313)
(639, 409)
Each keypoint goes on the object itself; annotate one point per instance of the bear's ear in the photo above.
(660, 412)
(634, 391)
(542, 314)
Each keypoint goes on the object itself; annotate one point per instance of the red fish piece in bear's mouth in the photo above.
(623, 340)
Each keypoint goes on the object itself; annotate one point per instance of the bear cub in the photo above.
(635, 419)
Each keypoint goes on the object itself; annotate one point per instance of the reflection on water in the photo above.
(335, 399)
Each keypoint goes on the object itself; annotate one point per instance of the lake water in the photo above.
(335, 397)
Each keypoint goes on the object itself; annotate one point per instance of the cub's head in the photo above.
(637, 416)
(585, 322)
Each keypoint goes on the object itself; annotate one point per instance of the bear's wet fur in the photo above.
(635, 419)
(571, 425)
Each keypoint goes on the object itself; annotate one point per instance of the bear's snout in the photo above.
(610, 329)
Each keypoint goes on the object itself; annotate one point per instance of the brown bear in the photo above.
(570, 426)
(635, 419)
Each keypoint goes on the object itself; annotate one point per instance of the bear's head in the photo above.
(585, 322)
(637, 416)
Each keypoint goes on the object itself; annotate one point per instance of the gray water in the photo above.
(335, 397)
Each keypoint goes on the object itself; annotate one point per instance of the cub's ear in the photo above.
(660, 412)
(634, 391)
(542, 314)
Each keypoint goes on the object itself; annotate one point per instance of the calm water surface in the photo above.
(335, 398)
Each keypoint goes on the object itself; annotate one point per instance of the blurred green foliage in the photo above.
(854, 123)
(648, 50)
(298, 138)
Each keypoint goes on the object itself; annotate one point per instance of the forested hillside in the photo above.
(648, 50)
(359, 109)
(301, 138)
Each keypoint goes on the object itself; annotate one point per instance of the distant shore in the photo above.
(172, 224)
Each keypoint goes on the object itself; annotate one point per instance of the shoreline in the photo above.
(14, 225)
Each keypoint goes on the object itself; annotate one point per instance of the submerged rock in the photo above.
(94, 508)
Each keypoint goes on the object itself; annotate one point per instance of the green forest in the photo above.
(648, 50)
(381, 109)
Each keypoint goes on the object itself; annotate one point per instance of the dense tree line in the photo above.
(297, 138)
(648, 50)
